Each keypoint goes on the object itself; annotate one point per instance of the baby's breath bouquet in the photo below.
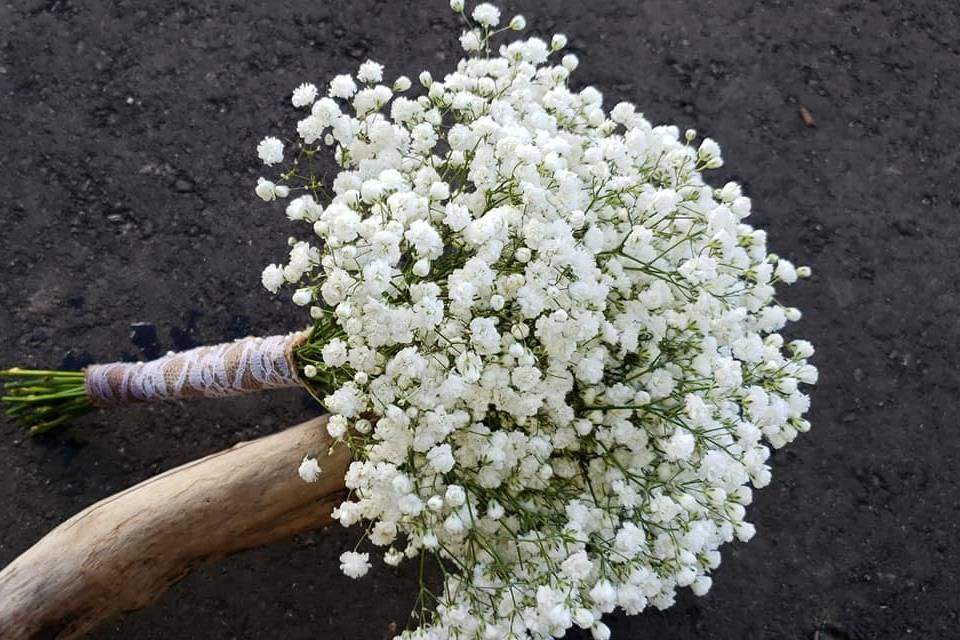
(550, 346)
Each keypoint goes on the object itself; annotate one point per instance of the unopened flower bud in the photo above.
(600, 631)
(302, 297)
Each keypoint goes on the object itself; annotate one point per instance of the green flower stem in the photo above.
(41, 400)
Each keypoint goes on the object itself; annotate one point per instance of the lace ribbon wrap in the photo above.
(227, 369)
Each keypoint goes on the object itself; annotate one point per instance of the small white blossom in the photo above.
(304, 95)
(455, 496)
(270, 150)
(342, 86)
(272, 278)
(370, 72)
(266, 190)
(470, 41)
(353, 564)
(679, 446)
(335, 353)
(486, 14)
(441, 458)
(709, 152)
(337, 427)
(309, 469)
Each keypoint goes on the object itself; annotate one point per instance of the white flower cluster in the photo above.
(552, 348)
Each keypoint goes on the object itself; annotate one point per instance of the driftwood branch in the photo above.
(121, 553)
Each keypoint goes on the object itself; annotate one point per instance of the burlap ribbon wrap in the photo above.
(228, 369)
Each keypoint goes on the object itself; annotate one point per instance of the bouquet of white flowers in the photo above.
(551, 347)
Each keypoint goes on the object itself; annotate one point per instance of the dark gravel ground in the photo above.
(126, 141)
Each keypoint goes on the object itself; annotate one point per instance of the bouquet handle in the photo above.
(122, 552)
(42, 400)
